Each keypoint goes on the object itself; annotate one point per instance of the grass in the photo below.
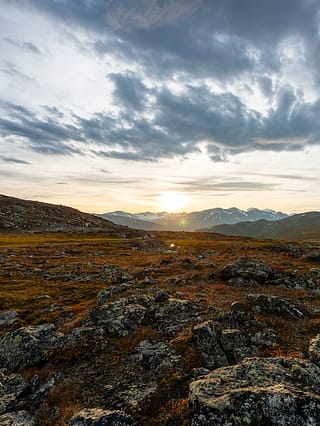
(41, 277)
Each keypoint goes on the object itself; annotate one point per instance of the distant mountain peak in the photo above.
(193, 220)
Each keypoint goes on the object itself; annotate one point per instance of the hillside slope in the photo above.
(24, 215)
(131, 222)
(302, 226)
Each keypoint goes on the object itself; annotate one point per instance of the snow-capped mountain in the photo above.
(191, 221)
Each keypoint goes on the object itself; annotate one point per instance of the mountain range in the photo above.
(17, 215)
(190, 221)
(302, 226)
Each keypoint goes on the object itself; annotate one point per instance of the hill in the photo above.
(304, 226)
(131, 222)
(34, 216)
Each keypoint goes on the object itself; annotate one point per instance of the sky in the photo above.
(143, 105)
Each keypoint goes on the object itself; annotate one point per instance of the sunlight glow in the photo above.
(172, 201)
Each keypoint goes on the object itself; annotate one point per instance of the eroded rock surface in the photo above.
(20, 418)
(258, 391)
(206, 341)
(98, 417)
(12, 388)
(274, 305)
(244, 270)
(27, 346)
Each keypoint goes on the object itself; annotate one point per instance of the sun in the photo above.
(172, 201)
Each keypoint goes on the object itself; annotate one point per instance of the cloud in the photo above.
(13, 160)
(24, 45)
(45, 136)
(10, 69)
(180, 124)
(239, 185)
(129, 90)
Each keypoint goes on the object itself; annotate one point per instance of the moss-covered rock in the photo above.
(27, 346)
(258, 391)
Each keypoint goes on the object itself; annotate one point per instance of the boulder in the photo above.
(156, 357)
(28, 346)
(244, 270)
(12, 388)
(115, 275)
(106, 294)
(161, 296)
(119, 318)
(19, 418)
(314, 350)
(312, 257)
(8, 317)
(205, 339)
(258, 391)
(174, 308)
(231, 339)
(99, 417)
(274, 305)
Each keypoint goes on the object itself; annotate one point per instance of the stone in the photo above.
(274, 305)
(28, 346)
(231, 339)
(266, 337)
(156, 357)
(205, 339)
(118, 318)
(99, 417)
(8, 317)
(106, 294)
(312, 257)
(19, 418)
(258, 391)
(247, 269)
(12, 388)
(238, 306)
(314, 350)
(161, 296)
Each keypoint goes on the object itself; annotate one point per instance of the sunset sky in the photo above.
(128, 104)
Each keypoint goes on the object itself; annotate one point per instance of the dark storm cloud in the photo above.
(180, 125)
(190, 40)
(45, 136)
(129, 91)
(216, 38)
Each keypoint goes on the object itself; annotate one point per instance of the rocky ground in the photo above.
(170, 329)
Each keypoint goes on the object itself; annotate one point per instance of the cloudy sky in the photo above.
(112, 104)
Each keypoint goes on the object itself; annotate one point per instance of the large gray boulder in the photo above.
(27, 346)
(258, 391)
(99, 417)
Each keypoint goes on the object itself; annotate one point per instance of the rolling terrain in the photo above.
(95, 327)
(17, 215)
(304, 226)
